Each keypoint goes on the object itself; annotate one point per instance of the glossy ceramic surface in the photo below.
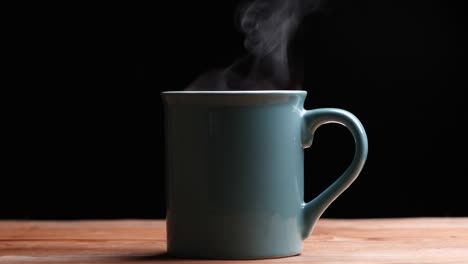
(235, 173)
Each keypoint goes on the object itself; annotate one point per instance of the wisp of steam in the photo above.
(269, 26)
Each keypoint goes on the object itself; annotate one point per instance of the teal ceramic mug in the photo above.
(235, 172)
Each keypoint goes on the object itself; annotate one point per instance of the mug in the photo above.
(235, 172)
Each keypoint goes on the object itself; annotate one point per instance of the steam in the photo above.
(269, 26)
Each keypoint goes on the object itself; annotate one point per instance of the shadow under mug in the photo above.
(235, 172)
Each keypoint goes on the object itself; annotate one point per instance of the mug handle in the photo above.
(312, 119)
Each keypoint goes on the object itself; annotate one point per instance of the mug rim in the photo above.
(237, 92)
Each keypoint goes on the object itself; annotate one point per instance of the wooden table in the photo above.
(414, 240)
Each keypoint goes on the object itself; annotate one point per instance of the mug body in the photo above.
(234, 173)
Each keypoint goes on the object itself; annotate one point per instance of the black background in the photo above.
(83, 115)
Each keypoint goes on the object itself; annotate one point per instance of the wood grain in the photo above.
(413, 240)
